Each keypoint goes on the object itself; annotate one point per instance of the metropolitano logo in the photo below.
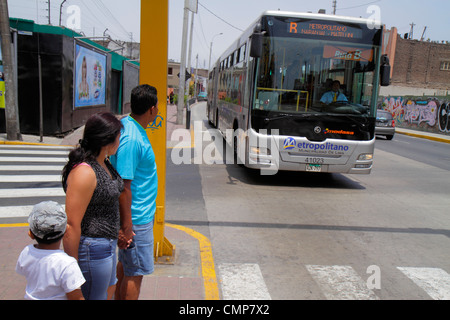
(289, 143)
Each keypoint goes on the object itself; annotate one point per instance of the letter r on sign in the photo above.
(293, 27)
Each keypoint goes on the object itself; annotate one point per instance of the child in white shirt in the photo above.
(51, 274)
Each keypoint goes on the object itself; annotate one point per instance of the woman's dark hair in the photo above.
(100, 130)
(143, 97)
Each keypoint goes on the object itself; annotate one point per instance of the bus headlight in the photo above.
(366, 156)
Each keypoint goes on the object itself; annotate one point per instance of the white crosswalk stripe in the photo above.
(31, 159)
(31, 192)
(341, 283)
(56, 152)
(434, 281)
(30, 178)
(244, 281)
(43, 167)
(28, 175)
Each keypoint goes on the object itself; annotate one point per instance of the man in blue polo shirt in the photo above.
(135, 162)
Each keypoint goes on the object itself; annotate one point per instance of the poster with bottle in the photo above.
(90, 75)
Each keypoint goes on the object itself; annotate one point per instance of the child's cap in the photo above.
(48, 220)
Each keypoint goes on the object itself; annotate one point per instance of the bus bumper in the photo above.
(283, 153)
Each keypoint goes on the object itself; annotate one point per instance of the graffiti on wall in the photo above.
(444, 117)
(427, 114)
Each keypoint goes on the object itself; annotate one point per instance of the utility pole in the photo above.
(131, 45)
(49, 20)
(60, 12)
(210, 48)
(334, 7)
(189, 5)
(191, 31)
(182, 82)
(423, 34)
(411, 33)
(196, 78)
(11, 109)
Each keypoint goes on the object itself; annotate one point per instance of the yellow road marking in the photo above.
(207, 261)
(10, 225)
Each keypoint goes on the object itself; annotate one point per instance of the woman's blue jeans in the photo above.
(97, 261)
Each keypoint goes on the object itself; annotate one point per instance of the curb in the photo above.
(21, 143)
(418, 135)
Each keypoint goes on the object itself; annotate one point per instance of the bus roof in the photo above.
(293, 14)
(319, 16)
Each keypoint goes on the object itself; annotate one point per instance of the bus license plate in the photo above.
(313, 167)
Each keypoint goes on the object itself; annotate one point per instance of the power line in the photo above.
(219, 17)
(201, 28)
(113, 17)
(112, 21)
(358, 6)
(104, 21)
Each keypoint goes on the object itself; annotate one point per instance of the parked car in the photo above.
(385, 124)
(201, 96)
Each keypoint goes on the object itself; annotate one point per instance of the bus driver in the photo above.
(334, 95)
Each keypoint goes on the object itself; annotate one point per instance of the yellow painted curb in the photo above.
(418, 135)
(17, 143)
(207, 261)
(11, 225)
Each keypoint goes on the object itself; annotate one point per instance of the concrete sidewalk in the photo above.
(181, 280)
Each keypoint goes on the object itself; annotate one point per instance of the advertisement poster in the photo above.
(90, 77)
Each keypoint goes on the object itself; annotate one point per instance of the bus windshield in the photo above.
(316, 74)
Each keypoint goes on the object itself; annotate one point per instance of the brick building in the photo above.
(419, 94)
(418, 67)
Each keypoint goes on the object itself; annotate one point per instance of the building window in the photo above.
(445, 65)
(170, 71)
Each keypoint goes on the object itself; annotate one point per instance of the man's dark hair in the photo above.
(143, 97)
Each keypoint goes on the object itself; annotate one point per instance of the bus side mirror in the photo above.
(385, 71)
(256, 46)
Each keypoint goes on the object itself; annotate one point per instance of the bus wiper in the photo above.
(361, 124)
(304, 115)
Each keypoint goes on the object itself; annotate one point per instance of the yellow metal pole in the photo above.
(153, 71)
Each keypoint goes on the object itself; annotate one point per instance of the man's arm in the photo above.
(126, 232)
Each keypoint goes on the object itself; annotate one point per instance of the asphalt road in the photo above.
(430, 152)
(324, 236)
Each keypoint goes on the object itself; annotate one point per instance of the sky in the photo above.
(122, 18)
